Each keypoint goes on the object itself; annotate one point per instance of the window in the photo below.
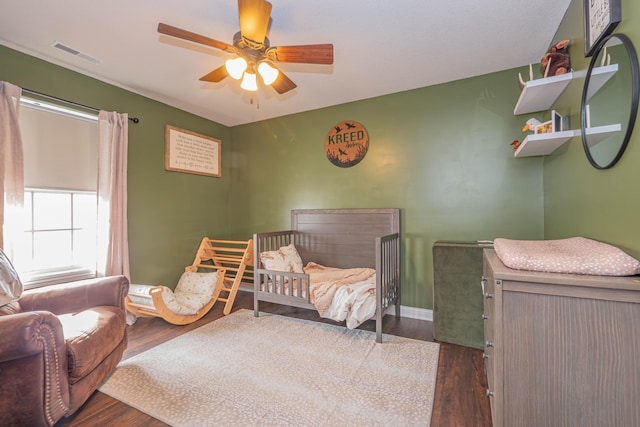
(60, 162)
(60, 237)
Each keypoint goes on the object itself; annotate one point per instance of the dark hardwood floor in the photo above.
(460, 398)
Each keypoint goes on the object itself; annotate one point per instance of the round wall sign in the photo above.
(346, 144)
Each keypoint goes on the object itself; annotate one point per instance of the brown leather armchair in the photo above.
(57, 345)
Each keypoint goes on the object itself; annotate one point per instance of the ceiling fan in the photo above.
(253, 53)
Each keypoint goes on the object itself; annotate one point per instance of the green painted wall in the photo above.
(580, 200)
(169, 212)
(441, 154)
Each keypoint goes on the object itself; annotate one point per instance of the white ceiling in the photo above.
(380, 47)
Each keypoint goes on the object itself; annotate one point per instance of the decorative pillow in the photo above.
(197, 283)
(576, 255)
(185, 306)
(10, 284)
(285, 259)
(194, 291)
(291, 254)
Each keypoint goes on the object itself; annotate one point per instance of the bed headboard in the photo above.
(343, 238)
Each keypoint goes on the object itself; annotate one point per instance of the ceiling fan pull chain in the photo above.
(257, 100)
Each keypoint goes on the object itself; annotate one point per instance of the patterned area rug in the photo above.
(278, 371)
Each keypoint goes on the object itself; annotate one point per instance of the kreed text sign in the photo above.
(346, 144)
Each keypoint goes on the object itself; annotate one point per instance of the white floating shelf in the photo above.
(599, 76)
(540, 94)
(598, 134)
(541, 144)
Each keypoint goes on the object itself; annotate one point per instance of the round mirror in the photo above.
(609, 101)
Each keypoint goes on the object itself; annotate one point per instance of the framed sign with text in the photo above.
(600, 19)
(190, 152)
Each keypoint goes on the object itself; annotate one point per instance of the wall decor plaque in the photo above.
(346, 144)
(190, 152)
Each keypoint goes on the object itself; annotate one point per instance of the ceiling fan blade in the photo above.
(216, 75)
(193, 37)
(283, 84)
(254, 19)
(303, 54)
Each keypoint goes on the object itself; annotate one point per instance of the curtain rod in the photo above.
(75, 104)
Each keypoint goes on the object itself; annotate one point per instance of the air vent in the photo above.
(74, 52)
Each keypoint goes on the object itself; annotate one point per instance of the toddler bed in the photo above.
(342, 262)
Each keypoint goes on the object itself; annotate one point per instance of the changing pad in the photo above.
(576, 255)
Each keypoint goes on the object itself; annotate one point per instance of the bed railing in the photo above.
(272, 241)
(387, 277)
(278, 286)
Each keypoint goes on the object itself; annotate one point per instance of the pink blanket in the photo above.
(576, 255)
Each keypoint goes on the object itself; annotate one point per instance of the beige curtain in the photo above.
(11, 166)
(113, 240)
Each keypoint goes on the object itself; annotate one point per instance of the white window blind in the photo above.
(60, 152)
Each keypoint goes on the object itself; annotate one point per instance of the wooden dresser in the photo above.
(561, 349)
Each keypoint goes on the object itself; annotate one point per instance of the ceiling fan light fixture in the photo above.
(252, 51)
(236, 67)
(268, 73)
(249, 82)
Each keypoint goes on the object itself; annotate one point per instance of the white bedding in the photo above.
(342, 293)
(354, 303)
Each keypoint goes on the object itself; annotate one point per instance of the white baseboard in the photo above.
(412, 312)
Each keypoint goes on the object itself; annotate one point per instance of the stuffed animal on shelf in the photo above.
(557, 60)
(515, 144)
(531, 125)
(537, 126)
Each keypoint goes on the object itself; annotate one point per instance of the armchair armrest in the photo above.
(77, 296)
(26, 334)
(33, 362)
